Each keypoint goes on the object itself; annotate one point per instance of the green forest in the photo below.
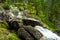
(46, 11)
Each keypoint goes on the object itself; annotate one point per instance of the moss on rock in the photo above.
(3, 25)
(6, 35)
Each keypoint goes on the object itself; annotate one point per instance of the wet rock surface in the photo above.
(57, 32)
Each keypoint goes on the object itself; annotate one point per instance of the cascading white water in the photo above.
(49, 35)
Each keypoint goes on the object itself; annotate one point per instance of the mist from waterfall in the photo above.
(49, 35)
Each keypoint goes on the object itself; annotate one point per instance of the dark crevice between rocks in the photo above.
(13, 26)
(22, 33)
(31, 23)
(34, 33)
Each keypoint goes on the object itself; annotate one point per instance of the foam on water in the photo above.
(47, 33)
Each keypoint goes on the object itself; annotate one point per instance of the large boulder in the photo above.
(29, 33)
(23, 27)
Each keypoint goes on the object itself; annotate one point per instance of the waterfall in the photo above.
(49, 35)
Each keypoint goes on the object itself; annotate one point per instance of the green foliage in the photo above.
(1, 8)
(13, 36)
(6, 6)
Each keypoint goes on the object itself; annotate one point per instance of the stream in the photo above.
(49, 35)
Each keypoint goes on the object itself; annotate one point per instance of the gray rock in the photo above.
(24, 35)
(31, 21)
(20, 26)
(33, 32)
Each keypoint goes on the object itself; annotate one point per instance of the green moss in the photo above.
(6, 35)
(6, 6)
(4, 25)
(3, 32)
(1, 8)
(13, 36)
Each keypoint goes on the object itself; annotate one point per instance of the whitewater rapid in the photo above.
(49, 35)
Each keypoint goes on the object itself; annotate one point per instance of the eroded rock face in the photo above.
(13, 25)
(32, 22)
(3, 16)
(30, 33)
(25, 32)
(24, 28)
(24, 35)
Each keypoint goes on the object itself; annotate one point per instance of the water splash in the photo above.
(49, 35)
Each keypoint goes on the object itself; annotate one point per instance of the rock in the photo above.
(43, 38)
(24, 35)
(1, 1)
(57, 32)
(33, 32)
(31, 21)
(3, 16)
(24, 32)
(13, 25)
(20, 26)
